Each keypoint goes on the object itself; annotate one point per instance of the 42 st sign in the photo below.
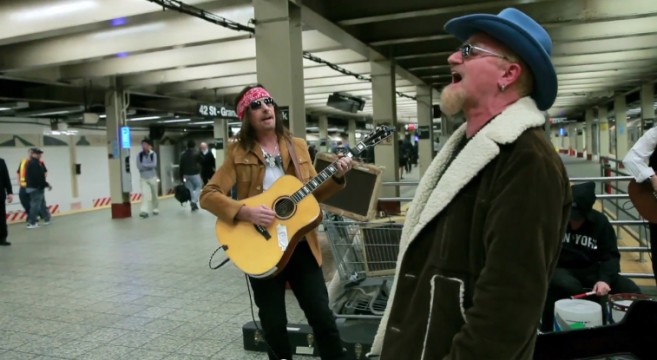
(216, 111)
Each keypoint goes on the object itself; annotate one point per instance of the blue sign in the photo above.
(125, 137)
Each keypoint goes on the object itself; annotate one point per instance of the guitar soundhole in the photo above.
(284, 208)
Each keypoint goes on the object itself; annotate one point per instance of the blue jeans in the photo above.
(37, 206)
(194, 184)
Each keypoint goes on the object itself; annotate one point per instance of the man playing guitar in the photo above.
(641, 162)
(253, 164)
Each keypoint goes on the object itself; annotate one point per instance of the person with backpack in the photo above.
(190, 172)
(147, 165)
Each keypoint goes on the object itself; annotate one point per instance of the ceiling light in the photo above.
(203, 123)
(46, 11)
(4, 108)
(122, 31)
(143, 118)
(55, 111)
(175, 121)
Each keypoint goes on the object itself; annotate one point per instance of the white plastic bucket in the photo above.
(572, 314)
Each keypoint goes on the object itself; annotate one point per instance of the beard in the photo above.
(452, 100)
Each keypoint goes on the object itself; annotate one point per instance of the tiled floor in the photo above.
(87, 287)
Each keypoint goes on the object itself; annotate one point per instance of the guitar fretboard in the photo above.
(314, 183)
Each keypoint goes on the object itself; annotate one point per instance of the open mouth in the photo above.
(266, 118)
(456, 77)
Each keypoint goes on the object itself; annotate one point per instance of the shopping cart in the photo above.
(365, 256)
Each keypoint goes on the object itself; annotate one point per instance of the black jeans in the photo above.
(568, 282)
(653, 248)
(3, 224)
(307, 283)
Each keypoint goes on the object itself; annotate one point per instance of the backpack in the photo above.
(182, 194)
(141, 156)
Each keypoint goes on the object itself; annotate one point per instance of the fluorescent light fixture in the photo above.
(103, 116)
(176, 121)
(144, 118)
(14, 105)
(46, 112)
(63, 8)
(203, 123)
(124, 31)
(60, 132)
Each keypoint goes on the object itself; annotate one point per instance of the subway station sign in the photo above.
(216, 111)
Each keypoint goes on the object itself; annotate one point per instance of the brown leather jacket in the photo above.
(247, 170)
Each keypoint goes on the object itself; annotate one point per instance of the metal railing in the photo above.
(610, 195)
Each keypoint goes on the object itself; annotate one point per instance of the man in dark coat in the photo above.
(6, 195)
(208, 164)
(483, 233)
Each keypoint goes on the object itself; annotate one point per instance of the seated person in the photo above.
(589, 256)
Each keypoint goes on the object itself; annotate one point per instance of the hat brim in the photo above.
(518, 40)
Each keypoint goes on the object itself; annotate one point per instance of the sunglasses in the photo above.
(469, 50)
(257, 104)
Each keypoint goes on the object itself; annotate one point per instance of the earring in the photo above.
(502, 87)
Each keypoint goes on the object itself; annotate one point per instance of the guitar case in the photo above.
(631, 338)
(644, 199)
(357, 337)
(302, 340)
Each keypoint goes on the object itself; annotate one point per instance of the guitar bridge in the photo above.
(263, 231)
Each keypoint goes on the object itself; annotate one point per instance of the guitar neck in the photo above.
(324, 175)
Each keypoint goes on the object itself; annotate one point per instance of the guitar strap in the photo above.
(295, 160)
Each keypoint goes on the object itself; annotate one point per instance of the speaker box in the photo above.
(358, 199)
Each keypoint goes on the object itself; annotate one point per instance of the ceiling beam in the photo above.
(117, 41)
(235, 50)
(316, 21)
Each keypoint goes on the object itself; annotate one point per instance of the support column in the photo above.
(603, 121)
(351, 132)
(385, 112)
(323, 134)
(119, 172)
(588, 131)
(579, 147)
(73, 160)
(279, 57)
(425, 123)
(620, 109)
(647, 107)
(564, 141)
(221, 137)
(572, 139)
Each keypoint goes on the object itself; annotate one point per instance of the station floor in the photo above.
(87, 287)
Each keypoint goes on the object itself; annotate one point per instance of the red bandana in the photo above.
(249, 97)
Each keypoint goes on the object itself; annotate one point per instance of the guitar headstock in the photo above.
(379, 134)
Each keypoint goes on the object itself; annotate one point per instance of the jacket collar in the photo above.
(439, 185)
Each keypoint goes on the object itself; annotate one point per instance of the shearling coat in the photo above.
(246, 169)
(480, 242)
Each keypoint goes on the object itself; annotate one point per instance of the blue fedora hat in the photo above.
(525, 37)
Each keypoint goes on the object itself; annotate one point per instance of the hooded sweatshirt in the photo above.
(593, 245)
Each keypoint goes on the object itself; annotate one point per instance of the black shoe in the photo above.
(5, 243)
(194, 207)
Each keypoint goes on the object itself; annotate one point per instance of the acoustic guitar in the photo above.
(262, 252)
(644, 199)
